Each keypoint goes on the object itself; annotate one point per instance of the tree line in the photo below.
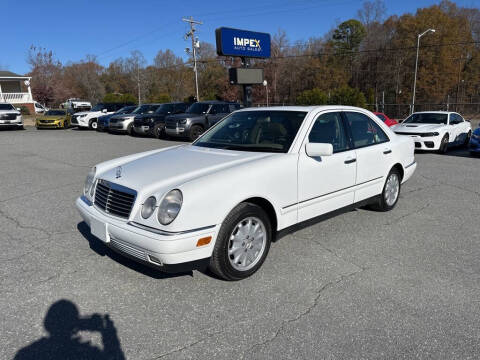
(362, 62)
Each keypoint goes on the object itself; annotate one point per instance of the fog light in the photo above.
(204, 241)
(155, 260)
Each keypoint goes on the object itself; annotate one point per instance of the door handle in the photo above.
(387, 151)
(350, 161)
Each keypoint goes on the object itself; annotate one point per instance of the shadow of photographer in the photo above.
(63, 324)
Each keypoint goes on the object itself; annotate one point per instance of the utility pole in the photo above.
(138, 84)
(195, 45)
(412, 110)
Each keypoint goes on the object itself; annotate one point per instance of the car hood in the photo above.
(174, 166)
(123, 117)
(416, 128)
(89, 113)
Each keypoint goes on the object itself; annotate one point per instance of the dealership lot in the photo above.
(361, 284)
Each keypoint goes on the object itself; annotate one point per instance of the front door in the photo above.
(326, 183)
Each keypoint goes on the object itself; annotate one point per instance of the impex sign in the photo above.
(243, 43)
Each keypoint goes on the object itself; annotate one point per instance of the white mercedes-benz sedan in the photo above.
(435, 130)
(221, 200)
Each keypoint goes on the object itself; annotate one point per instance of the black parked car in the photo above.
(154, 124)
(198, 118)
(103, 121)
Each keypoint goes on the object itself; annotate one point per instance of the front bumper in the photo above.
(474, 145)
(81, 122)
(120, 126)
(426, 143)
(10, 123)
(146, 246)
(52, 125)
(143, 129)
(177, 132)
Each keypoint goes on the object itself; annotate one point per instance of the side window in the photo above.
(455, 119)
(180, 108)
(328, 128)
(365, 131)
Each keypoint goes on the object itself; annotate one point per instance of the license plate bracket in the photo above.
(99, 229)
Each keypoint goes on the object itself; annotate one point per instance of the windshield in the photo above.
(6, 107)
(165, 109)
(145, 109)
(198, 108)
(55, 112)
(126, 110)
(98, 107)
(267, 131)
(427, 118)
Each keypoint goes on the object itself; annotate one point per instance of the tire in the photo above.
(158, 132)
(467, 139)
(65, 125)
(195, 132)
(227, 261)
(390, 193)
(93, 124)
(130, 130)
(443, 145)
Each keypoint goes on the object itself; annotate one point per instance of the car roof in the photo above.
(216, 102)
(303, 108)
(435, 112)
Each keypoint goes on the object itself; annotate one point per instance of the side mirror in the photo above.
(318, 149)
(104, 111)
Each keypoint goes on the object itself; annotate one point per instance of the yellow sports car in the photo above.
(54, 119)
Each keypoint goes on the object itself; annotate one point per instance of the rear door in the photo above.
(326, 183)
(373, 153)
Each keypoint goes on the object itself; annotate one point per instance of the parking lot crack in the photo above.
(410, 213)
(19, 225)
(305, 312)
(186, 346)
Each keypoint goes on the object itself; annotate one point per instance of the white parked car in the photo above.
(221, 200)
(10, 116)
(89, 119)
(39, 108)
(435, 130)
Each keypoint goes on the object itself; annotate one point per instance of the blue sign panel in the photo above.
(234, 42)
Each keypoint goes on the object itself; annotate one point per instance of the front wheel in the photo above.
(242, 243)
(131, 130)
(157, 131)
(443, 145)
(93, 124)
(195, 132)
(391, 192)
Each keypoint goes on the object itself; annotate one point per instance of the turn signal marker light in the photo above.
(204, 241)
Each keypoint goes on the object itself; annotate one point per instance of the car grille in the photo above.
(74, 120)
(410, 133)
(171, 124)
(8, 116)
(47, 121)
(114, 199)
(128, 249)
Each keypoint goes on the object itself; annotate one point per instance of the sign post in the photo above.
(245, 45)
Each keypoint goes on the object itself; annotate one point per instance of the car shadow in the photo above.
(63, 324)
(103, 250)
(459, 151)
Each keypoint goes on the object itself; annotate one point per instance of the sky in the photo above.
(110, 29)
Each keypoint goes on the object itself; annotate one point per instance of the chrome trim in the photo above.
(167, 233)
(413, 163)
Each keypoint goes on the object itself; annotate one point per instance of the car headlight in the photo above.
(148, 207)
(170, 207)
(88, 188)
(430, 134)
(183, 121)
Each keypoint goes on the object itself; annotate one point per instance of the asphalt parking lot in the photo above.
(362, 284)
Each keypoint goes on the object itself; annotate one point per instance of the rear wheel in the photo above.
(391, 192)
(93, 124)
(195, 132)
(443, 145)
(242, 243)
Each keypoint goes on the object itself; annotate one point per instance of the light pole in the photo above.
(416, 66)
(265, 83)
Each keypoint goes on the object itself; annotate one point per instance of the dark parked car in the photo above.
(154, 124)
(103, 121)
(198, 118)
(124, 123)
